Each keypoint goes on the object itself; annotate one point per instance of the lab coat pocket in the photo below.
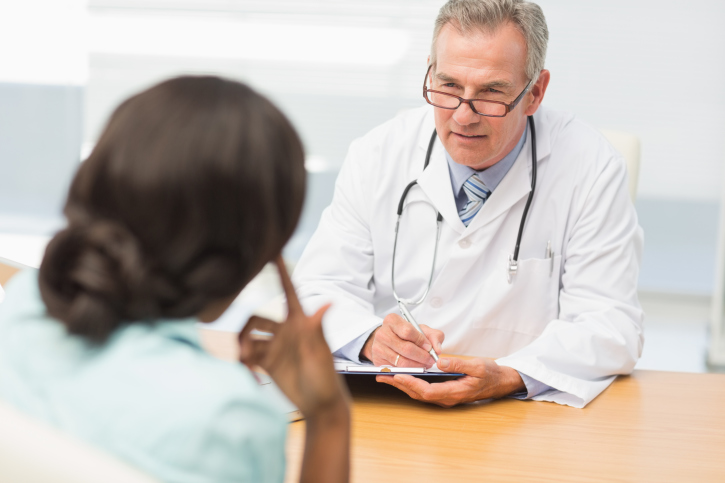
(528, 303)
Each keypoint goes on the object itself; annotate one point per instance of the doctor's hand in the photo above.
(397, 337)
(484, 380)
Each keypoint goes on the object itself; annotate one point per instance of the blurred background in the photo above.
(340, 67)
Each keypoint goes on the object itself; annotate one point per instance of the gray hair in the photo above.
(488, 15)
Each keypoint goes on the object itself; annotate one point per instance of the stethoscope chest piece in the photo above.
(513, 268)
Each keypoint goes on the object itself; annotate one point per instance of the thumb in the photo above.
(454, 364)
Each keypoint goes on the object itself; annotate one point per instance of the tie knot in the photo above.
(475, 189)
(477, 194)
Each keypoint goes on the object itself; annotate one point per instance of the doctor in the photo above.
(553, 316)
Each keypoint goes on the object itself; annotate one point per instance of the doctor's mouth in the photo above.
(469, 136)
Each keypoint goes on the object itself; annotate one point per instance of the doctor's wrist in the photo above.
(510, 381)
(366, 353)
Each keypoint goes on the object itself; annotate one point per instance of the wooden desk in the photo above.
(651, 426)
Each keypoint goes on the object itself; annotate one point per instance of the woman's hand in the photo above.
(296, 357)
(299, 360)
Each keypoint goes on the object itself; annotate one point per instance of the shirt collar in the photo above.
(181, 330)
(490, 176)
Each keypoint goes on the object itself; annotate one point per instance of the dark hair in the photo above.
(194, 185)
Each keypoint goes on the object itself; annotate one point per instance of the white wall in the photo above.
(43, 68)
(43, 42)
(340, 67)
(337, 68)
(646, 66)
(651, 67)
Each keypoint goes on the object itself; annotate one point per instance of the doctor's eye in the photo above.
(448, 86)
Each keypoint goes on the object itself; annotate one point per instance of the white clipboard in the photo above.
(343, 366)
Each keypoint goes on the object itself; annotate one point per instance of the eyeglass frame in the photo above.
(509, 107)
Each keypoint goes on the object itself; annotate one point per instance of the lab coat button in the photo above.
(436, 302)
(465, 243)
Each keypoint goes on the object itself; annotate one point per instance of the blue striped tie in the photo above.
(477, 195)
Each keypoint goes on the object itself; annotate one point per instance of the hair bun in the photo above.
(93, 277)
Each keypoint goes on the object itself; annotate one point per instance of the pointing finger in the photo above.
(293, 303)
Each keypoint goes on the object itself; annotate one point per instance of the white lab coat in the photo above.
(572, 324)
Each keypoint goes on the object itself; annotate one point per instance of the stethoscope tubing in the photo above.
(513, 259)
(533, 188)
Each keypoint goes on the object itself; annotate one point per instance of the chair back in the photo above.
(628, 145)
(33, 452)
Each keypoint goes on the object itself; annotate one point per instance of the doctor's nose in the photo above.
(464, 115)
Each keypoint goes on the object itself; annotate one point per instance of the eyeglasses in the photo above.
(479, 106)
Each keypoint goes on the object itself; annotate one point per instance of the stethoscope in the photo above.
(513, 263)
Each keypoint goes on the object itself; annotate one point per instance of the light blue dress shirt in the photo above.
(490, 176)
(150, 395)
(459, 173)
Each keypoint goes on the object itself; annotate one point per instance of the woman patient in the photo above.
(194, 185)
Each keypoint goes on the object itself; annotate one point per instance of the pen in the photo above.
(550, 255)
(409, 317)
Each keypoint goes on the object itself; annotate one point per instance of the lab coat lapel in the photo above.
(516, 185)
(513, 187)
(435, 182)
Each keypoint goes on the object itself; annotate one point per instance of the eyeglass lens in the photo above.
(450, 102)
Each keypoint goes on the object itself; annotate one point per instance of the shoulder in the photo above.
(25, 326)
(150, 394)
(171, 358)
(406, 123)
(406, 131)
(576, 148)
(178, 409)
(570, 137)
(390, 151)
(22, 295)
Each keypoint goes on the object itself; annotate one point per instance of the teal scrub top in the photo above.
(150, 395)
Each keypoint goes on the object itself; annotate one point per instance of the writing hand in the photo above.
(398, 337)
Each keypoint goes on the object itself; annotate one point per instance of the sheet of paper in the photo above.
(349, 366)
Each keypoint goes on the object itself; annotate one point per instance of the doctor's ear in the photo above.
(537, 92)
